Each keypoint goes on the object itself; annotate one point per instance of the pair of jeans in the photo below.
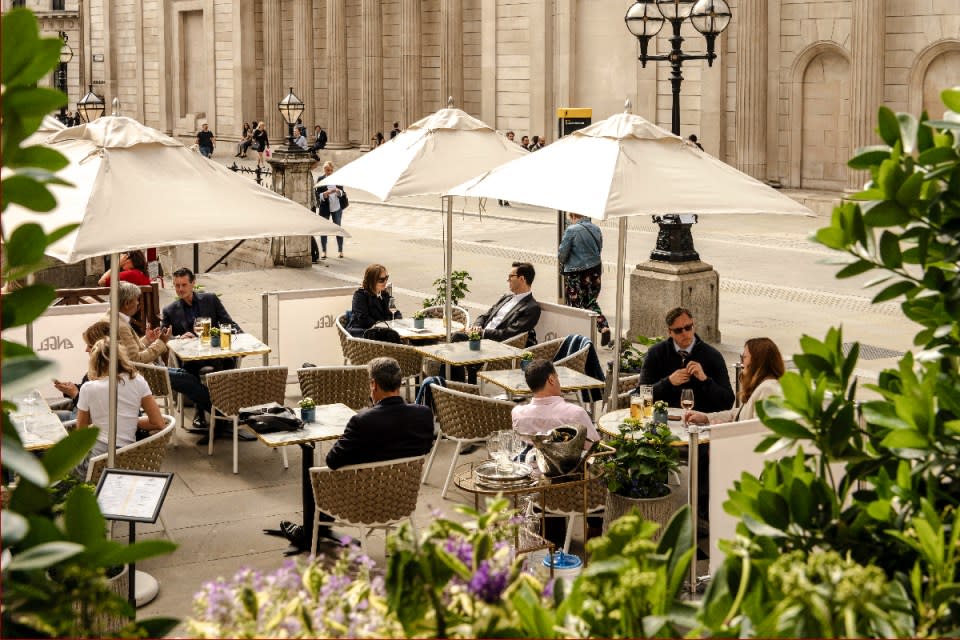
(189, 385)
(335, 217)
(206, 152)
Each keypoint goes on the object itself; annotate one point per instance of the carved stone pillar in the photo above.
(273, 89)
(751, 111)
(371, 91)
(339, 129)
(451, 52)
(292, 179)
(303, 39)
(411, 94)
(866, 82)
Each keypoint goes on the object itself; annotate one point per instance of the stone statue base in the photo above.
(656, 287)
(292, 179)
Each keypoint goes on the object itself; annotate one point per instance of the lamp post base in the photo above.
(674, 240)
(656, 287)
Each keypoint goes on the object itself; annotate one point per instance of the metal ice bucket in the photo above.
(556, 456)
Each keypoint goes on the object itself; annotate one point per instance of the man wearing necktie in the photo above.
(684, 361)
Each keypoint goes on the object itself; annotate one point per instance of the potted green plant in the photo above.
(637, 474)
(215, 337)
(525, 359)
(418, 318)
(308, 409)
(475, 335)
(660, 415)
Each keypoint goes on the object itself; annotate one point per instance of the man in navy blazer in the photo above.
(390, 430)
(190, 305)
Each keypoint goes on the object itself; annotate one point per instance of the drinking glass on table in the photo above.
(647, 392)
(392, 307)
(494, 447)
(636, 406)
(226, 334)
(686, 401)
(198, 328)
(205, 324)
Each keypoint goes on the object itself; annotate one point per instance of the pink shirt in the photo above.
(543, 414)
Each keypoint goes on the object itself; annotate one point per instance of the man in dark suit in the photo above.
(515, 313)
(390, 430)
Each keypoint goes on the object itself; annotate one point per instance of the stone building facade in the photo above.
(793, 91)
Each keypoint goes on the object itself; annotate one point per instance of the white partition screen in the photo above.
(559, 321)
(58, 336)
(300, 326)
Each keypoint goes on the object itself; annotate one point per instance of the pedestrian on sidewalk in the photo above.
(331, 201)
(206, 141)
(260, 141)
(579, 256)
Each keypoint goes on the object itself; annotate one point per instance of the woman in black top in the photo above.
(260, 141)
(371, 302)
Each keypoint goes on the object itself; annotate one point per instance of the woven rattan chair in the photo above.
(459, 313)
(519, 341)
(568, 503)
(159, 380)
(361, 351)
(327, 385)
(546, 350)
(235, 389)
(465, 418)
(626, 385)
(375, 495)
(343, 334)
(576, 360)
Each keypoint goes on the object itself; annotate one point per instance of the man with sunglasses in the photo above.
(684, 361)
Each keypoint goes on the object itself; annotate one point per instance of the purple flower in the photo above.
(488, 583)
(460, 548)
(548, 588)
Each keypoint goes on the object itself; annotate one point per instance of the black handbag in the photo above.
(382, 334)
(270, 418)
(344, 201)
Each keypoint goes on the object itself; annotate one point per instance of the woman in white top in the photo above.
(762, 368)
(133, 394)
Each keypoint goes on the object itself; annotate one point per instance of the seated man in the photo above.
(390, 430)
(547, 409)
(180, 314)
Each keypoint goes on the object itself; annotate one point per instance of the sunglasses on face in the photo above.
(383, 278)
(678, 330)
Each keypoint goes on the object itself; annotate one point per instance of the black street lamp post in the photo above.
(291, 108)
(66, 55)
(644, 20)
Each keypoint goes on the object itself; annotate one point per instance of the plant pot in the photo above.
(418, 323)
(660, 417)
(308, 415)
(108, 622)
(658, 510)
(215, 341)
(474, 345)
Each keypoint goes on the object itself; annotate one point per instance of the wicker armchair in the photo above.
(459, 313)
(232, 390)
(343, 334)
(159, 380)
(465, 418)
(519, 341)
(143, 455)
(375, 495)
(327, 385)
(626, 386)
(361, 351)
(568, 502)
(546, 350)
(576, 360)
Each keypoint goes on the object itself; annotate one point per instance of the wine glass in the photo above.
(495, 447)
(198, 328)
(686, 401)
(392, 306)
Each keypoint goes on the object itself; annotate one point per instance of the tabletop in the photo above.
(459, 353)
(609, 424)
(39, 431)
(514, 381)
(242, 344)
(329, 424)
(433, 329)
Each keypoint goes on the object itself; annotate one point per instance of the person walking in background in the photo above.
(377, 140)
(395, 130)
(260, 142)
(536, 144)
(330, 204)
(579, 256)
(206, 140)
(525, 142)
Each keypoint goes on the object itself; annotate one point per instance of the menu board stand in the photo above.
(134, 496)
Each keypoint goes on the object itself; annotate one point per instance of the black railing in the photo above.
(258, 174)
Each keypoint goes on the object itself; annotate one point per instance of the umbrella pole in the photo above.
(114, 355)
(448, 258)
(618, 323)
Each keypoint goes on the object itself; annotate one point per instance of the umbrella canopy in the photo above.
(430, 157)
(48, 126)
(135, 187)
(627, 166)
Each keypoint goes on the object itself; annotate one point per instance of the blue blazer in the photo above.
(180, 316)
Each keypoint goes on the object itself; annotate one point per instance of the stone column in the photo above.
(751, 110)
(866, 81)
(273, 89)
(451, 52)
(371, 91)
(303, 38)
(411, 92)
(339, 129)
(292, 179)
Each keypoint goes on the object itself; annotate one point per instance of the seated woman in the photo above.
(762, 368)
(371, 302)
(133, 394)
(71, 390)
(133, 269)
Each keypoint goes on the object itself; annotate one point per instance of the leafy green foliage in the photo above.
(56, 551)
(643, 460)
(458, 289)
(631, 357)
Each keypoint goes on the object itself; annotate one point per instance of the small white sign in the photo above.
(132, 495)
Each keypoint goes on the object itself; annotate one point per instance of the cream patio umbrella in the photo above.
(627, 166)
(429, 157)
(135, 187)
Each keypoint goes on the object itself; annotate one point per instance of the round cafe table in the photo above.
(609, 424)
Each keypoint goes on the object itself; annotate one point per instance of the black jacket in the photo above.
(179, 315)
(713, 394)
(367, 310)
(522, 318)
(390, 430)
